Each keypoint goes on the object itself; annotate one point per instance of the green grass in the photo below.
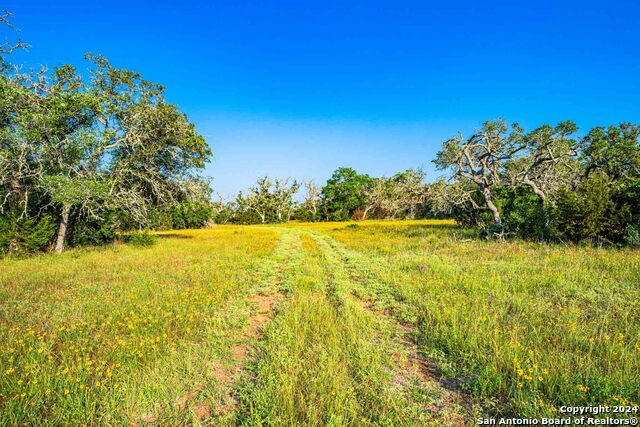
(325, 359)
(142, 335)
(107, 336)
(524, 326)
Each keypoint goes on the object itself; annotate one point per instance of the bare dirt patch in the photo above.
(226, 376)
(183, 401)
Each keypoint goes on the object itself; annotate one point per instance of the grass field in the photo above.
(375, 323)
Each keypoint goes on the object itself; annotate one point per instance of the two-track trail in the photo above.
(328, 358)
(262, 300)
(313, 349)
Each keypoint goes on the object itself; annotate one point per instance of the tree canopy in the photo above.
(105, 148)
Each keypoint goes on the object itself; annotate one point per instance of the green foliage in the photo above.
(223, 213)
(592, 211)
(246, 216)
(187, 214)
(93, 231)
(269, 201)
(545, 185)
(140, 238)
(614, 150)
(26, 235)
(632, 235)
(191, 214)
(105, 145)
(303, 213)
(74, 190)
(525, 214)
(343, 193)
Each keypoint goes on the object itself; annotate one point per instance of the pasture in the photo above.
(370, 323)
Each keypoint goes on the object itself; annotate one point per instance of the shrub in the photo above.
(188, 214)
(27, 235)
(593, 211)
(140, 238)
(192, 214)
(524, 215)
(632, 236)
(85, 231)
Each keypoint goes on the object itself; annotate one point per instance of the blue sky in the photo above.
(301, 88)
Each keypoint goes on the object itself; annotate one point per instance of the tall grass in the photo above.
(530, 327)
(128, 334)
(108, 336)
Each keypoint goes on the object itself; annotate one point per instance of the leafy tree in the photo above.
(592, 211)
(398, 196)
(269, 200)
(547, 160)
(479, 160)
(614, 150)
(90, 150)
(309, 210)
(224, 212)
(406, 192)
(345, 192)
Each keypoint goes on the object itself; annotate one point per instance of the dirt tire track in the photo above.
(265, 301)
(265, 304)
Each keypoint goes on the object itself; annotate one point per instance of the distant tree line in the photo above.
(84, 158)
(545, 185)
(347, 195)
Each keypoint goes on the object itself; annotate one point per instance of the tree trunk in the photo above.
(494, 210)
(62, 230)
(534, 188)
(366, 212)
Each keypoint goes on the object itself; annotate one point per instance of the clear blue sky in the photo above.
(300, 88)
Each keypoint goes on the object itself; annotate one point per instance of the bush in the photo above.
(593, 212)
(92, 232)
(524, 215)
(192, 214)
(632, 236)
(189, 214)
(141, 239)
(26, 235)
